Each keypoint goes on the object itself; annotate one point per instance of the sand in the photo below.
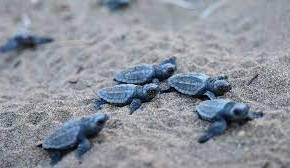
(40, 89)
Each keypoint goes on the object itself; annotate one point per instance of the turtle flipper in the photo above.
(10, 45)
(210, 95)
(135, 104)
(252, 115)
(83, 147)
(97, 103)
(216, 128)
(55, 157)
(42, 40)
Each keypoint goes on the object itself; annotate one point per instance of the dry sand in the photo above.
(239, 38)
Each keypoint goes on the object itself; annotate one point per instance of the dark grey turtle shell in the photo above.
(208, 109)
(118, 94)
(64, 137)
(189, 83)
(136, 75)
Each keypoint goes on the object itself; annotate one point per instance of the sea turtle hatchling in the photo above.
(24, 40)
(198, 84)
(73, 134)
(220, 112)
(147, 73)
(124, 94)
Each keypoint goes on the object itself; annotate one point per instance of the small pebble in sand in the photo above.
(241, 133)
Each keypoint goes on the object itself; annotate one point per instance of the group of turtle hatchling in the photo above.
(130, 89)
(141, 84)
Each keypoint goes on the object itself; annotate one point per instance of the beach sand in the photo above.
(40, 89)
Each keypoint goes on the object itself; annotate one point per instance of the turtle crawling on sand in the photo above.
(73, 134)
(198, 84)
(24, 40)
(125, 94)
(147, 73)
(220, 112)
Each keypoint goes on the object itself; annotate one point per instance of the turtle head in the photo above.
(151, 90)
(220, 87)
(171, 60)
(95, 123)
(239, 111)
(168, 70)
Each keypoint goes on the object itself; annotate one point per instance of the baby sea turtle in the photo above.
(220, 112)
(147, 73)
(24, 40)
(125, 94)
(115, 4)
(198, 84)
(73, 134)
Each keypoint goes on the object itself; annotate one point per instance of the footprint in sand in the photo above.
(62, 116)
(35, 118)
(9, 119)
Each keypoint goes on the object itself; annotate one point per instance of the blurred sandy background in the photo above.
(241, 38)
